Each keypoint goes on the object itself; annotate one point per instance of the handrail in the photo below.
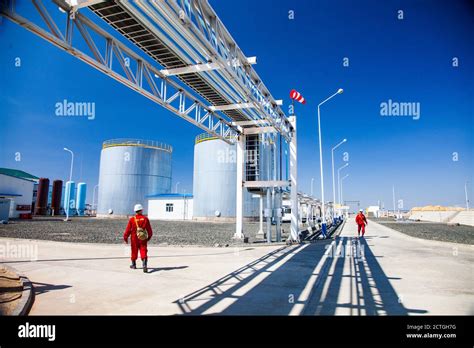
(137, 142)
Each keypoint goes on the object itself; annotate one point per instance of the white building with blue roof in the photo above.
(170, 206)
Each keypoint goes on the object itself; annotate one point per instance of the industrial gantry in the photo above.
(179, 54)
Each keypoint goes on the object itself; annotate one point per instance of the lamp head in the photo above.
(340, 90)
(344, 140)
(66, 149)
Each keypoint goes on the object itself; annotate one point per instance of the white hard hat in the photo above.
(359, 210)
(137, 207)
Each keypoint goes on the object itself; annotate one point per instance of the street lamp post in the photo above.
(393, 197)
(176, 187)
(72, 162)
(333, 180)
(339, 181)
(93, 197)
(70, 179)
(323, 225)
(467, 198)
(342, 181)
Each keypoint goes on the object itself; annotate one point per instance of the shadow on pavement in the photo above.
(124, 257)
(41, 288)
(310, 279)
(159, 269)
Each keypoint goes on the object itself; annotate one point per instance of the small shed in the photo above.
(170, 206)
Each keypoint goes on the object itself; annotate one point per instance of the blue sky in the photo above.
(407, 60)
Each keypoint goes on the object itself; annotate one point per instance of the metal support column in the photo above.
(278, 214)
(268, 214)
(260, 230)
(276, 192)
(300, 214)
(239, 234)
(294, 182)
(308, 215)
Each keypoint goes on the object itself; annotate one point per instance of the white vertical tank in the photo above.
(214, 181)
(131, 169)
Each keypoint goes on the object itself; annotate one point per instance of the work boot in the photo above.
(145, 268)
(133, 265)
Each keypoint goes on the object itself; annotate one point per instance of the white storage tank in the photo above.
(214, 182)
(130, 170)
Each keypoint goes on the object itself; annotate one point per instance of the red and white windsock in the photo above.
(295, 95)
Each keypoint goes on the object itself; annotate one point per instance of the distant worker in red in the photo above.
(139, 230)
(361, 223)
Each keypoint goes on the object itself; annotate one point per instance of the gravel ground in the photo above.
(93, 230)
(431, 230)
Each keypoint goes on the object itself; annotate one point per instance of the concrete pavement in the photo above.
(388, 273)
(385, 273)
(72, 278)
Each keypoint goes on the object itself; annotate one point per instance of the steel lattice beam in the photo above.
(202, 22)
(163, 42)
(199, 37)
(146, 80)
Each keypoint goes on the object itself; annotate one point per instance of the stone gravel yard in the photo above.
(430, 230)
(96, 230)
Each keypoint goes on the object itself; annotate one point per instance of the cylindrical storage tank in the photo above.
(131, 169)
(81, 198)
(41, 205)
(56, 197)
(215, 181)
(69, 197)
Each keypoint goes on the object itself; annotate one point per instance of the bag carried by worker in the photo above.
(142, 233)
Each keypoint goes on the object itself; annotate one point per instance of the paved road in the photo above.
(391, 274)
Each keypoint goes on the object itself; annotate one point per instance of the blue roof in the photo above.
(170, 195)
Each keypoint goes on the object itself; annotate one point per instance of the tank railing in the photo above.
(137, 142)
(206, 136)
(203, 137)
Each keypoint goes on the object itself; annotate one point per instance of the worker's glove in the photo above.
(125, 241)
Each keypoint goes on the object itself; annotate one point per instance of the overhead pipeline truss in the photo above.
(187, 60)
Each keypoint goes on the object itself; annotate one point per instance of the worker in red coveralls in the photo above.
(139, 230)
(361, 223)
